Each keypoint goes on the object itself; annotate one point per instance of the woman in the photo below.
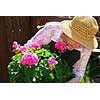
(79, 33)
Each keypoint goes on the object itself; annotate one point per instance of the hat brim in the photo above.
(86, 42)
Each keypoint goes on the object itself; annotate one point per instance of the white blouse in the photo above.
(52, 32)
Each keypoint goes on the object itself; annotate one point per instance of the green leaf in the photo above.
(51, 75)
(17, 57)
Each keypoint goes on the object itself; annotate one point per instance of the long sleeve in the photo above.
(80, 65)
(40, 37)
(46, 34)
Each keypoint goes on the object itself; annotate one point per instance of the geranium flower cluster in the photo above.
(24, 48)
(61, 46)
(52, 61)
(30, 59)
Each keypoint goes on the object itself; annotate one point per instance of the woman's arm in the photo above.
(43, 36)
(80, 65)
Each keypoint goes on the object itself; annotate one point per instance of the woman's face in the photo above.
(71, 43)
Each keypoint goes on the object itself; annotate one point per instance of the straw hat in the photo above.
(82, 29)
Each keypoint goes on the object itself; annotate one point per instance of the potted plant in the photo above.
(39, 64)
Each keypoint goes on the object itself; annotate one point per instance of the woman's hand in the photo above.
(74, 80)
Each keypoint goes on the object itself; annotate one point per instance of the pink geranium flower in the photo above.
(30, 59)
(15, 45)
(52, 61)
(62, 46)
(23, 48)
(35, 46)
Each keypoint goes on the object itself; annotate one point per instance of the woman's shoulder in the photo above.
(52, 24)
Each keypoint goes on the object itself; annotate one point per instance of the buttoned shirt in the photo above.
(52, 32)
